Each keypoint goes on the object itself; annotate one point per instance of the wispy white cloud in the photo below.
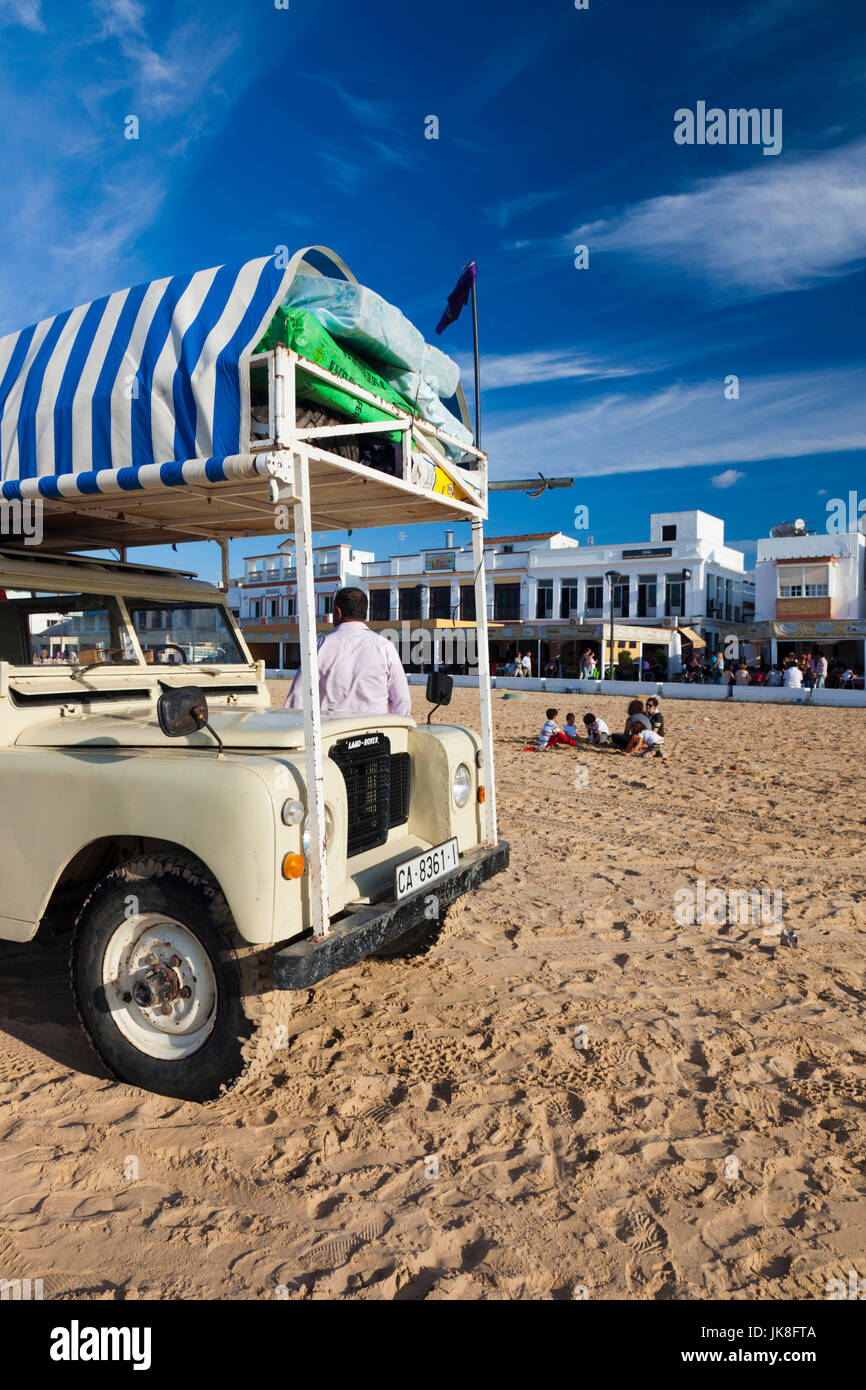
(784, 225)
(25, 12)
(686, 426)
(504, 212)
(729, 478)
(530, 368)
(78, 197)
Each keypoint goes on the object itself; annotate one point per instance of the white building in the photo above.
(810, 595)
(269, 596)
(546, 593)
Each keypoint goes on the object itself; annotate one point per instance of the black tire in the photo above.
(421, 938)
(247, 1009)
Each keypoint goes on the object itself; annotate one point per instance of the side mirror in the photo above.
(439, 687)
(181, 710)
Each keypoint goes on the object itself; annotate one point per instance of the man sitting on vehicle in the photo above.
(359, 671)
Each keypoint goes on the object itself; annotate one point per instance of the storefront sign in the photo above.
(440, 562)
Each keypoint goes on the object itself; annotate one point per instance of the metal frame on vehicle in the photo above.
(298, 449)
(321, 490)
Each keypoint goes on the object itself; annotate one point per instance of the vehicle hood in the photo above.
(270, 728)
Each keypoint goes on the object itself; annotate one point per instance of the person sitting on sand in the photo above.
(597, 731)
(643, 741)
(551, 735)
(635, 711)
(569, 727)
(655, 716)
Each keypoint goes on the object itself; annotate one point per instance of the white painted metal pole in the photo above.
(487, 773)
(284, 428)
(314, 763)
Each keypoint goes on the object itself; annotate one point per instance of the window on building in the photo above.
(808, 581)
(544, 599)
(467, 603)
(620, 598)
(273, 607)
(410, 602)
(440, 601)
(669, 533)
(291, 606)
(255, 608)
(646, 596)
(594, 596)
(675, 596)
(380, 605)
(568, 603)
(324, 605)
(506, 602)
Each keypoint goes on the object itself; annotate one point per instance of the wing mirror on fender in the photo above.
(439, 687)
(182, 710)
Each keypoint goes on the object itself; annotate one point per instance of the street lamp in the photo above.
(612, 577)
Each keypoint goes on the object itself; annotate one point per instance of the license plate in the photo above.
(425, 868)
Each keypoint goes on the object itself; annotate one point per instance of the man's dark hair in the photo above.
(352, 604)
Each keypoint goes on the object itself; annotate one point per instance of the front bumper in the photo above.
(372, 926)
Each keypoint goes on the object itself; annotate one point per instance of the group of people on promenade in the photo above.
(643, 732)
(812, 671)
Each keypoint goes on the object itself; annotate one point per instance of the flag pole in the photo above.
(477, 367)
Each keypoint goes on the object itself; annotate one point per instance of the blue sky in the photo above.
(262, 127)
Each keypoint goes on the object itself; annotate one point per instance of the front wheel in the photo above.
(171, 998)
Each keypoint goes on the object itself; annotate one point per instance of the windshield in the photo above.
(57, 629)
(185, 633)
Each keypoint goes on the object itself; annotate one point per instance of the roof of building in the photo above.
(532, 536)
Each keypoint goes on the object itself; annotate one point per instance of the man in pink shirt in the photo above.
(359, 671)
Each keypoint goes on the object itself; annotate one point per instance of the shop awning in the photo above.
(691, 636)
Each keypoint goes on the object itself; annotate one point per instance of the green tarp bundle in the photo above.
(298, 330)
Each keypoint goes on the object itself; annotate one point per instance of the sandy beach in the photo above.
(571, 1095)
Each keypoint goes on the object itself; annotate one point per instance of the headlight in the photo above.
(305, 834)
(292, 813)
(461, 785)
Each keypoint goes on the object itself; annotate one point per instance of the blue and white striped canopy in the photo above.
(149, 376)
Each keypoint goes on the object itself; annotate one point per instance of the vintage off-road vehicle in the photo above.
(207, 852)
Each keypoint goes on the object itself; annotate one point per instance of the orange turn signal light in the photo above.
(481, 794)
(293, 865)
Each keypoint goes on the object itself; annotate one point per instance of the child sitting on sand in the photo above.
(643, 741)
(596, 730)
(569, 727)
(551, 735)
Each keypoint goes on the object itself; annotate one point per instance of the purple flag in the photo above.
(459, 297)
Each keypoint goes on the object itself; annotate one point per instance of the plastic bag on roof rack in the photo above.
(425, 402)
(379, 331)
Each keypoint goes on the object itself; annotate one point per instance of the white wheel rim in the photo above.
(153, 955)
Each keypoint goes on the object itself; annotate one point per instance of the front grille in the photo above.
(365, 762)
(377, 788)
(399, 800)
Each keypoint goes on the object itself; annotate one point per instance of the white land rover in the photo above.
(154, 805)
